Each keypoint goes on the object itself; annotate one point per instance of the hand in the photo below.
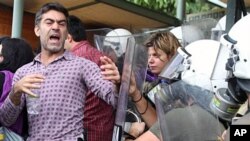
(133, 90)
(223, 136)
(137, 129)
(109, 70)
(28, 82)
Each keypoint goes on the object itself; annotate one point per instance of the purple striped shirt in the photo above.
(62, 97)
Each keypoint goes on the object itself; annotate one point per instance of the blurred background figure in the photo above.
(14, 53)
(98, 124)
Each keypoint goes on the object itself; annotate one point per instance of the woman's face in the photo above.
(157, 59)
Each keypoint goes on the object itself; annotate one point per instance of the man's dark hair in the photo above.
(50, 6)
(76, 28)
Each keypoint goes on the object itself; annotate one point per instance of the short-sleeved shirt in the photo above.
(191, 123)
(62, 97)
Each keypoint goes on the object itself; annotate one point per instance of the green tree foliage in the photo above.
(169, 6)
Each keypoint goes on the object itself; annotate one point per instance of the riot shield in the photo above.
(134, 69)
(184, 114)
(97, 31)
(198, 29)
(114, 46)
(154, 30)
(219, 29)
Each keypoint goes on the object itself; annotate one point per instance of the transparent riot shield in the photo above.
(184, 113)
(134, 69)
(114, 46)
(199, 29)
(97, 31)
(154, 30)
(219, 29)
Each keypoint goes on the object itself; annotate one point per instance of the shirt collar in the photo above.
(66, 55)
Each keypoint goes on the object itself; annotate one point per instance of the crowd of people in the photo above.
(76, 86)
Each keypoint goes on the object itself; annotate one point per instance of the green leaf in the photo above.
(146, 1)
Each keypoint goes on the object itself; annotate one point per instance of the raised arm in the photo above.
(110, 71)
(95, 82)
(146, 110)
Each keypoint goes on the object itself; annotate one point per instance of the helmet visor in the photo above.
(175, 65)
